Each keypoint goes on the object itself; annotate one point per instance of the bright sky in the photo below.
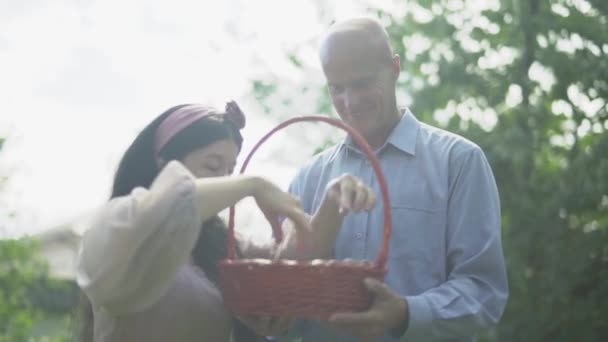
(79, 79)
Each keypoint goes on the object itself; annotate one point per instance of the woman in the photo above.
(147, 263)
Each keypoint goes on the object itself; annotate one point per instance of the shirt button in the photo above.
(359, 236)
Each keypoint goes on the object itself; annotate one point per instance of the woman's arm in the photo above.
(137, 243)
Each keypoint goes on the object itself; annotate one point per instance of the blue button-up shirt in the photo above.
(445, 254)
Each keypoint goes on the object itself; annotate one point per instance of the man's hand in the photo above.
(349, 194)
(388, 311)
(267, 326)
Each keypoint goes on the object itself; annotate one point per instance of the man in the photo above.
(446, 275)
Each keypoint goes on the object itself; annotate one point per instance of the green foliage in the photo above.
(33, 307)
(540, 78)
(262, 90)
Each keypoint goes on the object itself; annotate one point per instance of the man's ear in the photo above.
(396, 66)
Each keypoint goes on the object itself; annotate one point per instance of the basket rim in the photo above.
(300, 263)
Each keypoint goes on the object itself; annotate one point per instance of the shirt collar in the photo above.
(403, 136)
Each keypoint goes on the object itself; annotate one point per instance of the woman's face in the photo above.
(214, 160)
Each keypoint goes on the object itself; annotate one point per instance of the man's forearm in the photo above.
(326, 224)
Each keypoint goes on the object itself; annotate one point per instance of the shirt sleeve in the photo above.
(300, 185)
(135, 244)
(476, 290)
(295, 186)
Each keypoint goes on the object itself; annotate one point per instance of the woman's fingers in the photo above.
(275, 202)
(300, 219)
(296, 214)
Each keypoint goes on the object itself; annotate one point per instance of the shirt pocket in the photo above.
(417, 239)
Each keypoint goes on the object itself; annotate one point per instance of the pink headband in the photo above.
(188, 114)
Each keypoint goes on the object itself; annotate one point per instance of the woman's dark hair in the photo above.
(138, 168)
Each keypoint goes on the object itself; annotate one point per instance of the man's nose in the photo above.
(352, 98)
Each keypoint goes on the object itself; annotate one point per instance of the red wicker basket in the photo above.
(304, 289)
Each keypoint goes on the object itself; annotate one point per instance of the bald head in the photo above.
(354, 42)
(362, 73)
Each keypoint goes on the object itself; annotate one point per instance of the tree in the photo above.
(33, 306)
(527, 80)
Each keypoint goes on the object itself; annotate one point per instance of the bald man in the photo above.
(446, 277)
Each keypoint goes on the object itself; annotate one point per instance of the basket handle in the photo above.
(360, 141)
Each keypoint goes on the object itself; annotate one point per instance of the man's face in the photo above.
(362, 91)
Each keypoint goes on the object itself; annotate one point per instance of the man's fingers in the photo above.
(346, 192)
(361, 194)
(370, 199)
(359, 324)
(333, 191)
(376, 287)
(353, 318)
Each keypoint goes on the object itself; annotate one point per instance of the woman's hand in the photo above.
(274, 203)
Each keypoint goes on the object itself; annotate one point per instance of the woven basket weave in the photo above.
(304, 289)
